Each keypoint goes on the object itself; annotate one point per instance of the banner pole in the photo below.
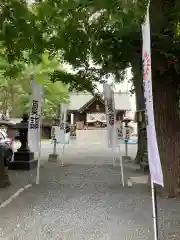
(62, 161)
(113, 159)
(153, 152)
(54, 147)
(122, 171)
(39, 156)
(40, 133)
(126, 148)
(154, 206)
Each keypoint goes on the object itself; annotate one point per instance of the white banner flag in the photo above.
(34, 118)
(153, 152)
(63, 113)
(110, 116)
(62, 136)
(72, 118)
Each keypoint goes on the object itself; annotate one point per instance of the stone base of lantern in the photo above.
(53, 158)
(23, 160)
(126, 158)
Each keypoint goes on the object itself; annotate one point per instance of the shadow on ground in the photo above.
(86, 202)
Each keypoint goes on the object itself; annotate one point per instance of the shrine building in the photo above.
(89, 110)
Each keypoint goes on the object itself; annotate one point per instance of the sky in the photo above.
(124, 87)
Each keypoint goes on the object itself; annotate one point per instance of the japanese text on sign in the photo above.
(147, 76)
(110, 111)
(34, 121)
(53, 132)
(35, 107)
(34, 117)
(147, 65)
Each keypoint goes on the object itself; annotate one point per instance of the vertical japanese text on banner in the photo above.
(34, 116)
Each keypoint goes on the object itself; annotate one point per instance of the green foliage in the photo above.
(78, 31)
(19, 31)
(85, 34)
(10, 95)
(108, 33)
(15, 95)
(26, 33)
(55, 93)
(104, 32)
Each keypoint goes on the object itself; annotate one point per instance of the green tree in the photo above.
(140, 106)
(9, 84)
(109, 34)
(25, 37)
(16, 95)
(165, 71)
(19, 31)
(54, 93)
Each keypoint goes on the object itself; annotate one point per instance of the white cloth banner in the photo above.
(72, 118)
(63, 113)
(61, 136)
(110, 116)
(34, 118)
(153, 152)
(96, 117)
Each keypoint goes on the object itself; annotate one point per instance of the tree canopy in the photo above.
(19, 31)
(104, 33)
(15, 95)
(108, 35)
(24, 36)
(99, 39)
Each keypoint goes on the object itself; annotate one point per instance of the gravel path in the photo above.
(81, 202)
(84, 200)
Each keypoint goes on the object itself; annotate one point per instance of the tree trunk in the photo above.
(168, 130)
(140, 105)
(142, 142)
(165, 85)
(4, 178)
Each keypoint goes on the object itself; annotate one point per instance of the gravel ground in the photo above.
(86, 202)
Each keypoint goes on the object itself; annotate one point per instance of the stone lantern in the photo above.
(126, 121)
(23, 157)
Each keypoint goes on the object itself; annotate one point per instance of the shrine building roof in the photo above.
(79, 99)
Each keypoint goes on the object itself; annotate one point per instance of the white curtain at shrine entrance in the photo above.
(96, 117)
